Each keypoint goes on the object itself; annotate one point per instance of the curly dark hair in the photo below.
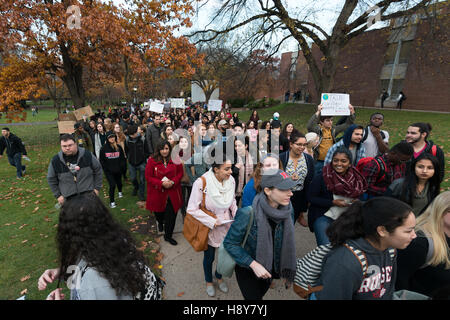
(87, 231)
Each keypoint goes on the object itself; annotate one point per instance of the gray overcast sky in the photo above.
(322, 12)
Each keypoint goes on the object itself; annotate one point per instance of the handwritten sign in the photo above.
(177, 103)
(66, 126)
(156, 107)
(335, 104)
(86, 111)
(66, 117)
(215, 105)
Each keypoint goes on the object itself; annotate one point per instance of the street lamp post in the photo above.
(135, 95)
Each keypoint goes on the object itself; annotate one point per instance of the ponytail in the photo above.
(362, 219)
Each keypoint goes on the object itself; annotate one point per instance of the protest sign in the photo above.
(177, 103)
(215, 105)
(79, 113)
(156, 107)
(335, 104)
(66, 126)
(66, 117)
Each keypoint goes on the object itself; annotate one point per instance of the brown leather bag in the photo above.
(195, 232)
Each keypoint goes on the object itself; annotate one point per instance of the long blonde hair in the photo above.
(431, 223)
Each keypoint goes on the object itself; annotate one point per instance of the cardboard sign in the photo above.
(66, 117)
(177, 103)
(156, 107)
(66, 126)
(215, 105)
(335, 104)
(79, 113)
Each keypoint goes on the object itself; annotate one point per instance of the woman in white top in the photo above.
(219, 199)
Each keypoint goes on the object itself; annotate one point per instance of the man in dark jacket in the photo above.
(136, 149)
(417, 135)
(153, 133)
(73, 171)
(82, 137)
(15, 149)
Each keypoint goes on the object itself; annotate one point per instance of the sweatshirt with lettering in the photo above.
(343, 279)
(112, 160)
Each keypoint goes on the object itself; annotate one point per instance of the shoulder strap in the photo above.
(249, 226)
(434, 150)
(366, 134)
(381, 166)
(360, 255)
(430, 249)
(203, 206)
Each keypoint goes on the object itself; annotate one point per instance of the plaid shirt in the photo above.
(360, 153)
(372, 173)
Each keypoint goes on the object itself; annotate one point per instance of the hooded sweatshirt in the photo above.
(112, 160)
(342, 276)
(345, 141)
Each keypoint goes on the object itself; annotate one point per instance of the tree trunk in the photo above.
(73, 78)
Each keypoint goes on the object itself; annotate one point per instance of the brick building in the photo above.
(409, 56)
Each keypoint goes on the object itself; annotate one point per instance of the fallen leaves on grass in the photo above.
(25, 291)
(25, 278)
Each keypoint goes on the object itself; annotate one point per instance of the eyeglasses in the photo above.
(301, 144)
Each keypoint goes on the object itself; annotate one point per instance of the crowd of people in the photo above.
(355, 190)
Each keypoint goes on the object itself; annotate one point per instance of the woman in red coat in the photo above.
(164, 189)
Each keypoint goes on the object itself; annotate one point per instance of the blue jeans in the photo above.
(138, 184)
(320, 227)
(208, 259)
(16, 161)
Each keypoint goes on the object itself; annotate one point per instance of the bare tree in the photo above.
(275, 17)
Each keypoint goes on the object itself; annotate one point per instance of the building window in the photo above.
(389, 58)
(405, 51)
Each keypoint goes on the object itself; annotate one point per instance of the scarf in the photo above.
(265, 242)
(352, 184)
(221, 195)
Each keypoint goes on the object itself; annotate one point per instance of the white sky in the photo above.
(321, 12)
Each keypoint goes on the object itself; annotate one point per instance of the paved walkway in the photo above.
(183, 270)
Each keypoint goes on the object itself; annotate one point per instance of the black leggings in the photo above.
(168, 219)
(252, 287)
(114, 179)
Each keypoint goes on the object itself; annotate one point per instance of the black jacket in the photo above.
(320, 200)
(439, 155)
(137, 150)
(13, 145)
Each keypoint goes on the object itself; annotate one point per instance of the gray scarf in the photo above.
(265, 243)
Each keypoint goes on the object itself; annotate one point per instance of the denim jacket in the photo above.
(235, 236)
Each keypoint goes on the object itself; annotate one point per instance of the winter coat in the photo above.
(157, 195)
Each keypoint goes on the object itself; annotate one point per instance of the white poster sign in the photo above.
(335, 104)
(215, 105)
(177, 103)
(156, 107)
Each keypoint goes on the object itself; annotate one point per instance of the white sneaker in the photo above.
(223, 287)
(112, 205)
(120, 195)
(211, 291)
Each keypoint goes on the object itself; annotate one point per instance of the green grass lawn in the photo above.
(28, 218)
(44, 115)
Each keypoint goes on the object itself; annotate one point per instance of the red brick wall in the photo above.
(427, 77)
